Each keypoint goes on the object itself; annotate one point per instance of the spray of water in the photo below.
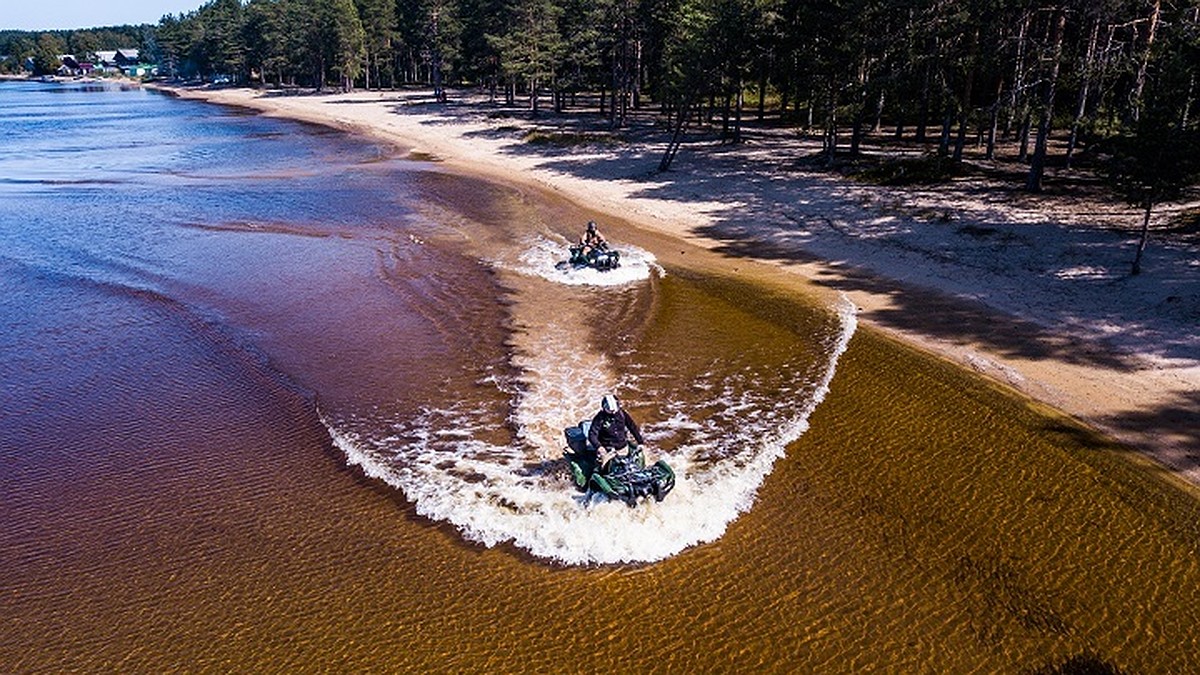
(519, 492)
(541, 257)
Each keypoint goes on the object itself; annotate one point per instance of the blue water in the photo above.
(96, 176)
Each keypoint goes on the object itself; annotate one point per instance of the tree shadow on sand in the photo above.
(1180, 416)
(765, 199)
(813, 218)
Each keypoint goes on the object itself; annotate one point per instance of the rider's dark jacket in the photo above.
(593, 239)
(612, 430)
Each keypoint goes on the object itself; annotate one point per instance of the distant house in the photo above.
(141, 70)
(127, 57)
(127, 62)
(72, 66)
(107, 61)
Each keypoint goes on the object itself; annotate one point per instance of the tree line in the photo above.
(1114, 77)
(935, 70)
(45, 48)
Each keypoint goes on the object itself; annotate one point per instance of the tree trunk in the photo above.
(878, 113)
(1141, 248)
(923, 115)
(676, 135)
(1037, 166)
(438, 93)
(737, 120)
(964, 106)
(725, 111)
(627, 103)
(1187, 105)
(856, 128)
(762, 92)
(944, 138)
(1023, 135)
(1140, 82)
(637, 74)
(1018, 90)
(831, 126)
(994, 127)
(960, 140)
(1081, 104)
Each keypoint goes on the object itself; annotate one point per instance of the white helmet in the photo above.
(609, 404)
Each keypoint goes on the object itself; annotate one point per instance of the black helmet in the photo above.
(591, 226)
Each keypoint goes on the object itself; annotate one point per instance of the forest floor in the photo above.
(1032, 290)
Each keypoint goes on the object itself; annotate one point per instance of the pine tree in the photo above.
(381, 28)
(532, 47)
(347, 42)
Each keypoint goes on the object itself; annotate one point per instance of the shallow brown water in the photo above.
(1006, 549)
(173, 499)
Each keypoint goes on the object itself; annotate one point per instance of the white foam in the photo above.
(559, 381)
(520, 493)
(542, 255)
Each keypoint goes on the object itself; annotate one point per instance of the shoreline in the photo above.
(1025, 290)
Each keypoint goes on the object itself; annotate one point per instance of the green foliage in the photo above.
(929, 169)
(568, 139)
(269, 43)
(531, 46)
(341, 33)
(224, 45)
(1158, 156)
(381, 32)
(46, 54)
(1154, 164)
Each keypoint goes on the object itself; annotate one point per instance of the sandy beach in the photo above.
(1031, 291)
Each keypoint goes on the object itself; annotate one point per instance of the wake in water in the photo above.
(542, 255)
(723, 418)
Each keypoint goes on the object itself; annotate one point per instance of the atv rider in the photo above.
(610, 431)
(592, 242)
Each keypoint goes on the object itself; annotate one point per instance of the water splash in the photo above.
(450, 464)
(541, 256)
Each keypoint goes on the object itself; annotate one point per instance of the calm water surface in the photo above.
(278, 397)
